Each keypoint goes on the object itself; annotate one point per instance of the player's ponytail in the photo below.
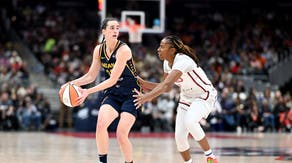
(180, 47)
(190, 52)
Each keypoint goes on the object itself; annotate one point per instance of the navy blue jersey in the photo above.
(127, 81)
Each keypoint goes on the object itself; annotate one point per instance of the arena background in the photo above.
(245, 47)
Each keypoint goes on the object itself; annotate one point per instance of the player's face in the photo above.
(112, 30)
(165, 50)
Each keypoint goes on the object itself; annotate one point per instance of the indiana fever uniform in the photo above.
(120, 95)
(197, 99)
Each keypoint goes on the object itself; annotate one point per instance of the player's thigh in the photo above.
(129, 106)
(106, 115)
(198, 110)
(180, 128)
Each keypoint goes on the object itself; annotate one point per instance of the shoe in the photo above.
(211, 160)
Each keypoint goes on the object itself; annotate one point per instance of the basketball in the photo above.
(68, 95)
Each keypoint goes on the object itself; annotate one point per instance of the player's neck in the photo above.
(110, 46)
(170, 62)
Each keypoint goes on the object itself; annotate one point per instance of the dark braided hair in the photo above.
(180, 47)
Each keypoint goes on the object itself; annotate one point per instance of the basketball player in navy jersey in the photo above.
(115, 57)
(197, 94)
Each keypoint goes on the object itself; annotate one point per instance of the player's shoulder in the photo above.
(123, 48)
(98, 46)
(96, 51)
(184, 60)
(181, 57)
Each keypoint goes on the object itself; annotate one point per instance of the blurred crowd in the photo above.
(22, 107)
(228, 43)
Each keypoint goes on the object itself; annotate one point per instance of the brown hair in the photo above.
(104, 24)
(106, 20)
(180, 47)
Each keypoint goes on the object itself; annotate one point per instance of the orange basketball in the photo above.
(68, 94)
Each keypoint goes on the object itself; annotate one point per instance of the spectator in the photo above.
(279, 108)
(254, 119)
(228, 110)
(268, 116)
(29, 115)
(6, 112)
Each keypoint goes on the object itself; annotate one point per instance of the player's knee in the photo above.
(122, 136)
(181, 142)
(182, 145)
(101, 126)
(196, 131)
(179, 137)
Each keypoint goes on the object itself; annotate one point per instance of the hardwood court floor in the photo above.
(41, 147)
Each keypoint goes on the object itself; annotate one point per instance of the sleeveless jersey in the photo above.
(127, 81)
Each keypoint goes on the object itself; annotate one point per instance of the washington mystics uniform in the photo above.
(120, 95)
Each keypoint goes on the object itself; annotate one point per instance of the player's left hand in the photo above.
(83, 96)
(139, 98)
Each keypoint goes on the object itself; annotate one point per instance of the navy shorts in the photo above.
(121, 103)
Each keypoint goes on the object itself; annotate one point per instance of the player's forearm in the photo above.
(158, 90)
(148, 85)
(102, 86)
(85, 79)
